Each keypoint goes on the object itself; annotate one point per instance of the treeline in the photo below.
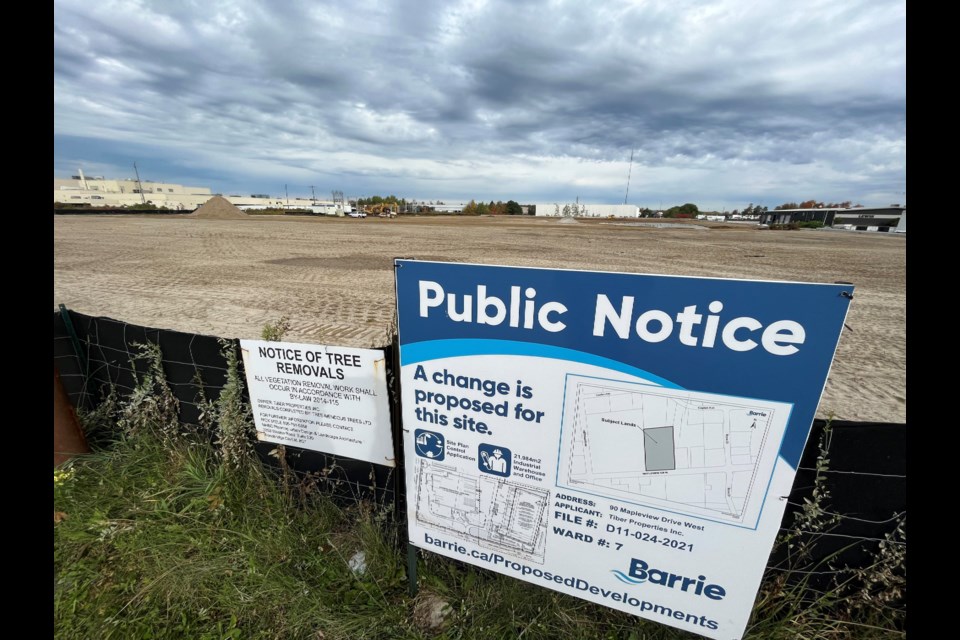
(813, 204)
(750, 210)
(391, 200)
(686, 210)
(498, 208)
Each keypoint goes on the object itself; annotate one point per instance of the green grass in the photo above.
(161, 534)
(160, 539)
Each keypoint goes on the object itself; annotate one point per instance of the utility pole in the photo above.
(313, 193)
(287, 193)
(139, 186)
(629, 171)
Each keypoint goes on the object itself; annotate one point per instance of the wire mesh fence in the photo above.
(104, 356)
(857, 469)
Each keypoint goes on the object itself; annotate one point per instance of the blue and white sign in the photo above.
(623, 438)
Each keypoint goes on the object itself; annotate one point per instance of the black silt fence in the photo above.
(105, 357)
(866, 475)
(866, 478)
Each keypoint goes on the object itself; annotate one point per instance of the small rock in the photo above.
(358, 563)
(431, 612)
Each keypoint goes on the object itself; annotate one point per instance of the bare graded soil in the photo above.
(333, 277)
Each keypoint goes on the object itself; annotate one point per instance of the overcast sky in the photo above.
(724, 103)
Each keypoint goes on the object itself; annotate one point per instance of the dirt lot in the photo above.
(334, 278)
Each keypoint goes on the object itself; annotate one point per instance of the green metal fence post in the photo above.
(77, 347)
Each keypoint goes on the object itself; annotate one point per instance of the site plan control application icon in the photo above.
(623, 438)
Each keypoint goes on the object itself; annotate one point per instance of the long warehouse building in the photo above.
(556, 209)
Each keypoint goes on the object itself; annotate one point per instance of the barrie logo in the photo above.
(641, 572)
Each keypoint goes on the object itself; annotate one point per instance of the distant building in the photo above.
(856, 218)
(98, 191)
(583, 210)
(902, 225)
(447, 208)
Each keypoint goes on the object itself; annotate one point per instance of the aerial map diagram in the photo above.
(688, 452)
(489, 511)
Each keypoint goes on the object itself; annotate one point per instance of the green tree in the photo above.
(498, 208)
(687, 210)
(391, 200)
(513, 208)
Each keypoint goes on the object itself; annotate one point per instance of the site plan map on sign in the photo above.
(693, 453)
(488, 511)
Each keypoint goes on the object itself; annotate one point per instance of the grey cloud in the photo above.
(701, 81)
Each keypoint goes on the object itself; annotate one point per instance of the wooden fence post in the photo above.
(68, 439)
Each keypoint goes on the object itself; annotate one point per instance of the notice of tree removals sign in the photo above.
(623, 438)
(330, 399)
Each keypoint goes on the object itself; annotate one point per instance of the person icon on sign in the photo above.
(497, 463)
(494, 460)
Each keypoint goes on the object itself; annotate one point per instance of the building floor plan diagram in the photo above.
(489, 511)
(687, 452)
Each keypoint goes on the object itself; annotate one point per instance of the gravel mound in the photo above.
(219, 208)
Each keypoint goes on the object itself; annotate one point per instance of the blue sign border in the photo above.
(797, 379)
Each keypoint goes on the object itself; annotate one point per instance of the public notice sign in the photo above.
(627, 439)
(322, 398)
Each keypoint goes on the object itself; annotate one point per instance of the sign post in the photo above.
(627, 439)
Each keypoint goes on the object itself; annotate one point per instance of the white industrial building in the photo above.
(318, 207)
(583, 210)
(99, 192)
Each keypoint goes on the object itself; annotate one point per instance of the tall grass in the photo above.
(814, 591)
(160, 540)
(157, 536)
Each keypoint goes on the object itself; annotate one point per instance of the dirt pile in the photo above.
(219, 208)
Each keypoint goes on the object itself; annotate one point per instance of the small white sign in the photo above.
(322, 398)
